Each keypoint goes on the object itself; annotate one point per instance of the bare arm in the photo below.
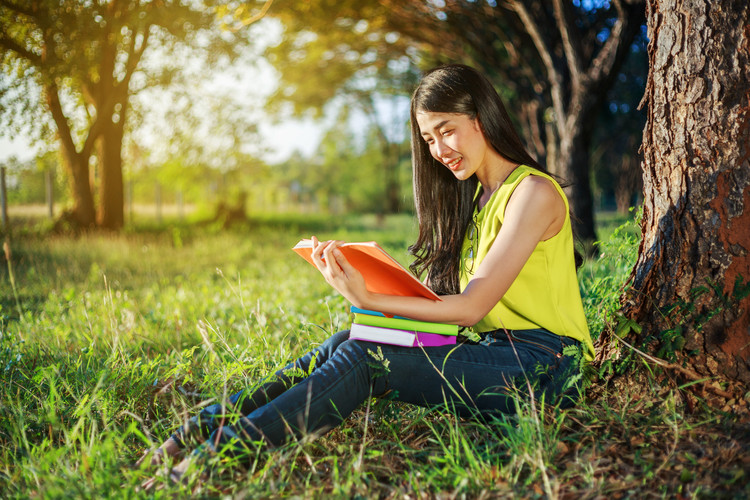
(534, 213)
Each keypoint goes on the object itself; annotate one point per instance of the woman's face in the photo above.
(455, 140)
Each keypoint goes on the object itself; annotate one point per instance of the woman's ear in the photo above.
(477, 123)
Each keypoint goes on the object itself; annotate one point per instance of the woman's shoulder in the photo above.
(538, 190)
(539, 199)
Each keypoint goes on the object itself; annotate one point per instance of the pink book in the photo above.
(433, 339)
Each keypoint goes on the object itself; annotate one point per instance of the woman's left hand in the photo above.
(338, 272)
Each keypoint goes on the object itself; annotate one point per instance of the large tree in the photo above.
(80, 62)
(556, 60)
(690, 288)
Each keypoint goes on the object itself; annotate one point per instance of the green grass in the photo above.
(110, 340)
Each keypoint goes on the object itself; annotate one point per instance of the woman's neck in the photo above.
(492, 176)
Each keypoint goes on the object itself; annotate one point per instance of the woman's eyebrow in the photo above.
(436, 127)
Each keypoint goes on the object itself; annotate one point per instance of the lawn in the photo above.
(108, 340)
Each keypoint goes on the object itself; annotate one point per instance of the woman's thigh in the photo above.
(468, 376)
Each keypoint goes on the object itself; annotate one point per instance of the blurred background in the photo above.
(111, 111)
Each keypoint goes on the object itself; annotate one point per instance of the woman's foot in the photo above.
(176, 475)
(158, 456)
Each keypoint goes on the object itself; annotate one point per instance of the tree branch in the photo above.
(135, 55)
(571, 41)
(14, 46)
(17, 8)
(614, 48)
(58, 115)
(260, 15)
(545, 53)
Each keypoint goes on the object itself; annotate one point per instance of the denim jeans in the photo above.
(317, 391)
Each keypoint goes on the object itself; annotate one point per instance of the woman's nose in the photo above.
(441, 148)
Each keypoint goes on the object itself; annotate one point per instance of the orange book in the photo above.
(382, 273)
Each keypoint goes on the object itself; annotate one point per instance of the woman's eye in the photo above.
(446, 132)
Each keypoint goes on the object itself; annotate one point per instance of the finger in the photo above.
(342, 261)
(332, 253)
(327, 255)
(317, 252)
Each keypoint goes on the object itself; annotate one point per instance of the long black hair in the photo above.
(444, 204)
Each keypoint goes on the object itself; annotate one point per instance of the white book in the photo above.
(407, 338)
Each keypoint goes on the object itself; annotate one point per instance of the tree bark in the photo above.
(76, 163)
(111, 187)
(573, 167)
(690, 288)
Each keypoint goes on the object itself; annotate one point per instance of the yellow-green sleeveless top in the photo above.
(545, 294)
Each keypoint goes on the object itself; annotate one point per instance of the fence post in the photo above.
(129, 199)
(158, 202)
(49, 179)
(180, 206)
(3, 199)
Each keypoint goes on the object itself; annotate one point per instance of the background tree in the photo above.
(339, 53)
(690, 288)
(616, 141)
(83, 61)
(555, 61)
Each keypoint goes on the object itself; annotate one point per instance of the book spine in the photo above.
(357, 310)
(406, 324)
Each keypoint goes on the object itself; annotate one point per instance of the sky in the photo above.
(306, 135)
(249, 84)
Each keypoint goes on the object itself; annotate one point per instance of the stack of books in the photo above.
(373, 326)
(383, 274)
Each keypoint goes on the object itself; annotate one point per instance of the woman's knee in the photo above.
(332, 343)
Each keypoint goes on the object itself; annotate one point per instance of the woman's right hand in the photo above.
(338, 272)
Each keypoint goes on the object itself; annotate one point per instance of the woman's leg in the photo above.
(469, 377)
(486, 377)
(199, 427)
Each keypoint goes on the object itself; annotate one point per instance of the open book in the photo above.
(382, 273)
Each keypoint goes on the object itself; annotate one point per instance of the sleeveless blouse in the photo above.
(546, 293)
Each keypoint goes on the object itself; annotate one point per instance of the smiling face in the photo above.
(455, 140)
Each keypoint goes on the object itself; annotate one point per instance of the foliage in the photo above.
(553, 62)
(120, 336)
(346, 175)
(603, 279)
(27, 181)
(83, 61)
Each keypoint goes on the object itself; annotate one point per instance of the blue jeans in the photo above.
(317, 391)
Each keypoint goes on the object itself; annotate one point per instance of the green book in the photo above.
(405, 324)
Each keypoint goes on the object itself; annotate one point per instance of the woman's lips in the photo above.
(454, 164)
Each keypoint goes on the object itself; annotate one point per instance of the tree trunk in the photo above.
(532, 128)
(690, 286)
(573, 167)
(83, 211)
(111, 187)
(76, 163)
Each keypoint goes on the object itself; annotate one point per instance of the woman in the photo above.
(495, 241)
